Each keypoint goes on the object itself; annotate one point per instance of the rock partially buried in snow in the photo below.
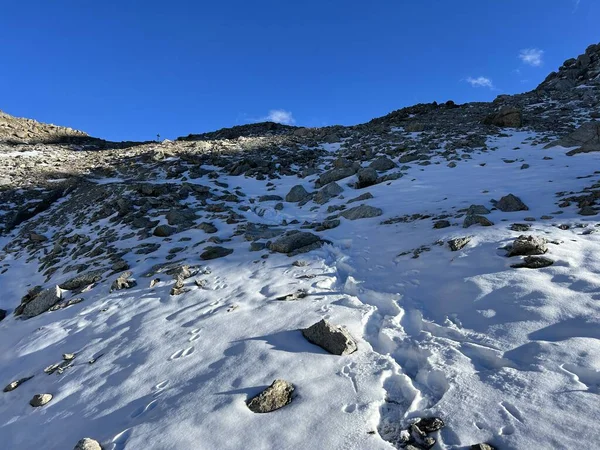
(477, 209)
(294, 242)
(382, 164)
(123, 281)
(366, 177)
(297, 194)
(40, 400)
(334, 339)
(361, 212)
(528, 245)
(586, 138)
(508, 116)
(164, 231)
(42, 302)
(214, 252)
(327, 192)
(88, 444)
(276, 396)
(511, 203)
(15, 384)
(83, 280)
(533, 262)
(458, 243)
(474, 219)
(482, 446)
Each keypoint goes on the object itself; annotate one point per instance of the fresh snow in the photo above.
(505, 356)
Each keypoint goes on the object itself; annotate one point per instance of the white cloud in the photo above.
(480, 82)
(532, 56)
(279, 116)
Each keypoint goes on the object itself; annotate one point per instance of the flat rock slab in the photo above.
(334, 339)
(528, 245)
(15, 384)
(477, 219)
(42, 302)
(533, 262)
(294, 241)
(272, 398)
(83, 280)
(361, 212)
(40, 400)
(214, 252)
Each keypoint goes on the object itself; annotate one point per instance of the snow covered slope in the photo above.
(503, 355)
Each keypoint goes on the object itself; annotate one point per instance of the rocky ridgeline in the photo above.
(81, 208)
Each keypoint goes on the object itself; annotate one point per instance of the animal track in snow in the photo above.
(121, 439)
(348, 372)
(512, 410)
(182, 353)
(349, 408)
(588, 377)
(195, 334)
(144, 409)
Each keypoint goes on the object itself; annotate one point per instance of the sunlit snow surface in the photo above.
(506, 356)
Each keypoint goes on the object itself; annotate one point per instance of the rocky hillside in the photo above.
(424, 280)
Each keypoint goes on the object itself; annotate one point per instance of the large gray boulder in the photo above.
(83, 280)
(382, 164)
(366, 177)
(336, 340)
(361, 212)
(478, 209)
(40, 400)
(586, 138)
(336, 174)
(164, 231)
(88, 444)
(42, 302)
(533, 262)
(528, 245)
(473, 219)
(293, 242)
(297, 194)
(327, 192)
(508, 116)
(272, 398)
(511, 203)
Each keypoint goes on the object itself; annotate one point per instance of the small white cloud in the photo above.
(532, 56)
(480, 82)
(279, 116)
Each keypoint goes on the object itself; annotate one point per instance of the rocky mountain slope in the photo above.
(428, 279)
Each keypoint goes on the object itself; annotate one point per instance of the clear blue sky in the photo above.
(122, 69)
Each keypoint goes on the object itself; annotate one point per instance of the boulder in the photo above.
(88, 444)
(83, 280)
(521, 227)
(508, 116)
(40, 400)
(15, 384)
(213, 252)
(180, 216)
(528, 245)
(511, 203)
(334, 339)
(42, 302)
(123, 281)
(270, 198)
(361, 212)
(533, 262)
(366, 177)
(382, 164)
(294, 241)
(276, 396)
(458, 243)
(336, 174)
(441, 224)
(297, 194)
(327, 192)
(477, 209)
(586, 138)
(164, 231)
(474, 219)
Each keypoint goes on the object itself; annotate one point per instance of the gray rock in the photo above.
(254, 232)
(366, 177)
(430, 424)
(533, 262)
(361, 212)
(88, 444)
(270, 198)
(327, 192)
(42, 302)
(164, 231)
(207, 227)
(458, 243)
(586, 138)
(508, 116)
(180, 216)
(213, 252)
(336, 174)
(441, 224)
(475, 219)
(15, 384)
(276, 396)
(382, 164)
(482, 446)
(361, 197)
(83, 280)
(587, 211)
(334, 339)
(294, 241)
(123, 281)
(257, 246)
(511, 203)
(528, 245)
(477, 209)
(521, 227)
(2, 314)
(297, 194)
(40, 400)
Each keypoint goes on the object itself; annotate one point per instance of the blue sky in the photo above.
(127, 70)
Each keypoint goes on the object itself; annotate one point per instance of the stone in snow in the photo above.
(83, 280)
(474, 219)
(40, 400)
(213, 252)
(294, 241)
(508, 116)
(366, 177)
(458, 243)
(123, 281)
(511, 203)
(533, 262)
(164, 231)
(334, 339)
(482, 446)
(297, 194)
(327, 192)
(42, 302)
(382, 164)
(528, 245)
(15, 384)
(88, 444)
(361, 212)
(441, 224)
(2, 314)
(272, 398)
(477, 209)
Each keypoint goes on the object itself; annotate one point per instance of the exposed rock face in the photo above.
(41, 303)
(335, 340)
(528, 245)
(508, 116)
(511, 203)
(361, 212)
(276, 396)
(297, 194)
(458, 243)
(88, 444)
(294, 241)
(586, 138)
(14, 130)
(40, 400)
(583, 70)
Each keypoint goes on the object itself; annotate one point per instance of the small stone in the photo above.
(68, 356)
(164, 231)
(276, 396)
(15, 384)
(207, 227)
(458, 243)
(88, 444)
(477, 209)
(213, 252)
(300, 293)
(511, 203)
(336, 340)
(40, 400)
(123, 281)
(430, 424)
(521, 227)
(533, 262)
